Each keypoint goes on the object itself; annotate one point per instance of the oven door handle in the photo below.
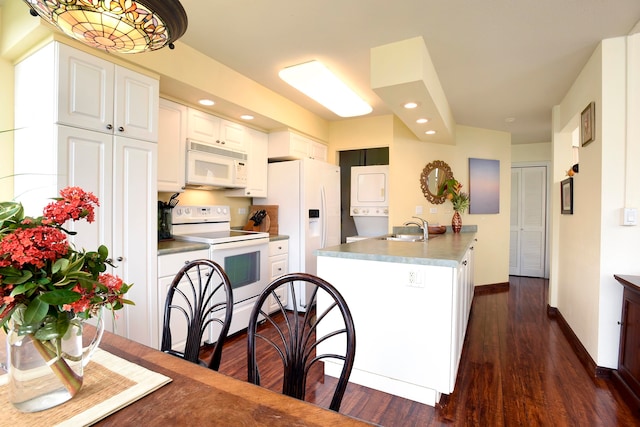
(239, 244)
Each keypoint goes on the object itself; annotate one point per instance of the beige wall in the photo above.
(6, 122)
(592, 245)
(540, 152)
(407, 158)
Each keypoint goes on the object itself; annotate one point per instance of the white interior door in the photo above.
(527, 250)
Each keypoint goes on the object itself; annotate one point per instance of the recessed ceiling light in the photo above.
(206, 102)
(510, 119)
(430, 132)
(246, 117)
(422, 120)
(410, 105)
(317, 82)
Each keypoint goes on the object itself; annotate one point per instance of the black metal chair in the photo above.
(199, 297)
(325, 328)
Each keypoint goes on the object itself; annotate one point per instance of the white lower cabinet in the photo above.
(427, 321)
(279, 263)
(168, 267)
(463, 297)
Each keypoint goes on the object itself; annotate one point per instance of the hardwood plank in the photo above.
(517, 368)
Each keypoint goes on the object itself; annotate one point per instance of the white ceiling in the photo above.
(496, 59)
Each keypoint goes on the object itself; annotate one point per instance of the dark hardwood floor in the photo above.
(517, 369)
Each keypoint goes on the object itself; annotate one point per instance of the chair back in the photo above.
(199, 301)
(323, 331)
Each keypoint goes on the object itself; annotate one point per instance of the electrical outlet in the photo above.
(242, 211)
(415, 279)
(433, 210)
(419, 210)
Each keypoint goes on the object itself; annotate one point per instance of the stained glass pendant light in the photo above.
(124, 26)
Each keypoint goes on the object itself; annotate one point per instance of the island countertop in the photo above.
(446, 250)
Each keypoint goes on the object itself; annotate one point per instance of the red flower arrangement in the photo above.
(44, 281)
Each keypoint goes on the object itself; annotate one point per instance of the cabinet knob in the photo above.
(109, 126)
(110, 260)
(120, 129)
(620, 323)
(187, 262)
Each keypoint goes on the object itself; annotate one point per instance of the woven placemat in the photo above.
(110, 383)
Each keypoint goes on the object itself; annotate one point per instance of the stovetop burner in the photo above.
(208, 224)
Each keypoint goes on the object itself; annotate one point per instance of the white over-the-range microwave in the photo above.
(214, 166)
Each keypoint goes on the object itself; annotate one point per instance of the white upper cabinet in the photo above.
(97, 95)
(285, 145)
(172, 131)
(208, 128)
(203, 127)
(257, 143)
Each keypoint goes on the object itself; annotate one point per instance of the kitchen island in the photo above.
(410, 302)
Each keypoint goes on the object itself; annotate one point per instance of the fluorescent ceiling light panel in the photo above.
(317, 82)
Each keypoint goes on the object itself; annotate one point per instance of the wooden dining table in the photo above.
(199, 396)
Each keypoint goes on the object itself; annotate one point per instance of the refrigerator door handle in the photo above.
(323, 216)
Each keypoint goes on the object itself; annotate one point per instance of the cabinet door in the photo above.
(629, 358)
(85, 159)
(172, 128)
(135, 236)
(168, 267)
(203, 127)
(85, 90)
(136, 105)
(317, 151)
(233, 135)
(299, 146)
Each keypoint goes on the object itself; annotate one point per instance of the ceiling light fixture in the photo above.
(430, 132)
(124, 26)
(317, 82)
(422, 120)
(410, 105)
(246, 117)
(206, 102)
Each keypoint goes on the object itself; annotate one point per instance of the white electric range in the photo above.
(242, 254)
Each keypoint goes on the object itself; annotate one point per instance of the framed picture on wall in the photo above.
(484, 186)
(587, 124)
(566, 196)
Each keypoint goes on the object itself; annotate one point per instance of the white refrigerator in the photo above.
(307, 193)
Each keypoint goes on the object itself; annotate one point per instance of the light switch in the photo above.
(630, 216)
(419, 210)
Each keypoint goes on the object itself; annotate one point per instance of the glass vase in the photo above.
(44, 374)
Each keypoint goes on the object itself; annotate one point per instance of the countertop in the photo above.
(176, 246)
(446, 250)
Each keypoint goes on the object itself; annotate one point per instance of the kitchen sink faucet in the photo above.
(424, 225)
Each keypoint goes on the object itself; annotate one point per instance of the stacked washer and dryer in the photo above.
(369, 201)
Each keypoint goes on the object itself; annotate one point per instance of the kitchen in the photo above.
(406, 152)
